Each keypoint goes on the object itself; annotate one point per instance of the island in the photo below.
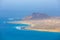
(40, 22)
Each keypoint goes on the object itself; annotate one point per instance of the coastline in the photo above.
(28, 28)
(46, 23)
(43, 30)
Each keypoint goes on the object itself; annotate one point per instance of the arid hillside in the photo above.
(36, 16)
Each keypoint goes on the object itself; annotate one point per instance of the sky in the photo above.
(22, 8)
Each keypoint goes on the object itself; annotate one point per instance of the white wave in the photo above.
(19, 28)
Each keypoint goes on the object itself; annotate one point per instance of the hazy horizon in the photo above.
(22, 8)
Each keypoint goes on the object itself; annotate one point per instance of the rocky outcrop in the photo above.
(36, 16)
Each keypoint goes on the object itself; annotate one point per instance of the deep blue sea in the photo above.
(9, 32)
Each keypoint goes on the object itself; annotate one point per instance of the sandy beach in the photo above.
(50, 25)
(44, 30)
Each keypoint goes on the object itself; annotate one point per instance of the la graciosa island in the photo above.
(40, 22)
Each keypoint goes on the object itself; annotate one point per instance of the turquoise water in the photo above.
(9, 32)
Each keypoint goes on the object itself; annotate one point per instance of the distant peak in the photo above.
(37, 16)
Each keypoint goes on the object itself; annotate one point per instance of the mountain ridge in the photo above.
(36, 16)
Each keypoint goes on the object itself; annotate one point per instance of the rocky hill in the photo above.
(36, 16)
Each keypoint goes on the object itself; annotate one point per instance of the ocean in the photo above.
(9, 32)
